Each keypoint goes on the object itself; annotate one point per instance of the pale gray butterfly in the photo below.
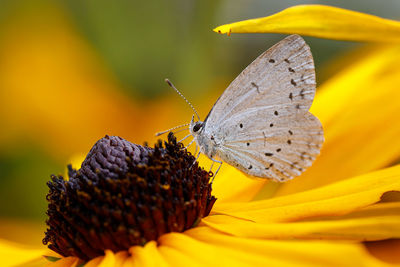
(261, 124)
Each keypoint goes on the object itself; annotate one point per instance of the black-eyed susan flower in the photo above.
(322, 218)
(125, 195)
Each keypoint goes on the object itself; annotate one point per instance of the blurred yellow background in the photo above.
(74, 71)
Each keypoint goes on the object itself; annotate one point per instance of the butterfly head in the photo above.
(196, 127)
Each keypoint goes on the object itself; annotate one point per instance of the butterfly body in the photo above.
(208, 143)
(261, 124)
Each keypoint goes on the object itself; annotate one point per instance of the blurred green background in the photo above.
(73, 71)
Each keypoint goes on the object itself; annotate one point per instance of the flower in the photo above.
(321, 218)
(321, 21)
(125, 195)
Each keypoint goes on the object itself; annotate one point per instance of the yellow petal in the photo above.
(377, 222)
(175, 257)
(95, 262)
(358, 108)
(206, 254)
(64, 262)
(232, 185)
(334, 199)
(12, 254)
(147, 255)
(260, 252)
(321, 21)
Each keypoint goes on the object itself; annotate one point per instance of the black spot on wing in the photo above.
(270, 166)
(255, 86)
(302, 94)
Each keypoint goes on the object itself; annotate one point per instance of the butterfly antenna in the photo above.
(173, 128)
(181, 95)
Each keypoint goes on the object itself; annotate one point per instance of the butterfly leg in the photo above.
(219, 167)
(191, 142)
(184, 138)
(198, 155)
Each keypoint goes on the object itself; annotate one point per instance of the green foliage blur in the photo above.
(141, 43)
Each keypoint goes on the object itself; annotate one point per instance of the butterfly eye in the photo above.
(197, 127)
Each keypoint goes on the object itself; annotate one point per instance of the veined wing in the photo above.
(282, 77)
(277, 150)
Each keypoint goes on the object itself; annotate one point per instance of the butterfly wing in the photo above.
(261, 121)
(283, 76)
(280, 152)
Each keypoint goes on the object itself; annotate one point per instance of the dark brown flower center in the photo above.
(124, 195)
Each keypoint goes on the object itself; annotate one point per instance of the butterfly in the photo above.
(261, 124)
